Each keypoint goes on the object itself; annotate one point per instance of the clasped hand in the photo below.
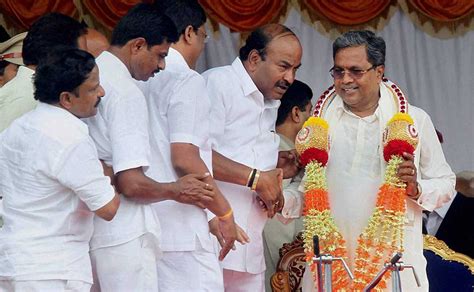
(190, 189)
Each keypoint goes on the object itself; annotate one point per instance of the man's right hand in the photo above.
(269, 189)
(190, 189)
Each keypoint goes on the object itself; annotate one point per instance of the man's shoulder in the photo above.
(417, 111)
(119, 88)
(59, 129)
(419, 115)
(219, 74)
(21, 84)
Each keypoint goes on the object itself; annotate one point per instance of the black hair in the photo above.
(4, 35)
(146, 21)
(49, 31)
(184, 13)
(298, 94)
(65, 69)
(260, 38)
(375, 46)
(3, 65)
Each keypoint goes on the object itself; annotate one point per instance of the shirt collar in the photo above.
(287, 140)
(63, 114)
(115, 64)
(248, 86)
(25, 71)
(174, 57)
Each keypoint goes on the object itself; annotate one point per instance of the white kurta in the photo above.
(178, 108)
(120, 132)
(355, 172)
(243, 129)
(285, 226)
(51, 179)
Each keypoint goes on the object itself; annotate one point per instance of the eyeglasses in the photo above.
(338, 73)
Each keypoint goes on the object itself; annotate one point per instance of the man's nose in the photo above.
(290, 76)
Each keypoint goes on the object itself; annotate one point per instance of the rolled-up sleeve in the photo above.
(79, 169)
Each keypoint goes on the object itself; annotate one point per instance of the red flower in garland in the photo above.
(312, 154)
(397, 147)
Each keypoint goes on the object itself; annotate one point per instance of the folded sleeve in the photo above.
(79, 169)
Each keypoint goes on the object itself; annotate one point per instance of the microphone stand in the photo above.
(395, 266)
(327, 261)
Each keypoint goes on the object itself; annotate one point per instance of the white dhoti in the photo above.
(196, 270)
(45, 285)
(126, 267)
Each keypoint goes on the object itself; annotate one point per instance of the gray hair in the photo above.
(375, 46)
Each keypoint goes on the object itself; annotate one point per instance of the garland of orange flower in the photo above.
(383, 234)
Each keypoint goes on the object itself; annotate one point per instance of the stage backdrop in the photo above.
(430, 45)
(436, 74)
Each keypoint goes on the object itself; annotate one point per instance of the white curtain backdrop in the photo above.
(435, 74)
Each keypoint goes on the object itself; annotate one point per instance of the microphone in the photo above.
(317, 254)
(396, 258)
(316, 250)
(379, 276)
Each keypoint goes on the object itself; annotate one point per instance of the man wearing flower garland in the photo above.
(357, 109)
(244, 102)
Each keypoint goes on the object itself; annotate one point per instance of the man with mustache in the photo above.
(244, 102)
(124, 251)
(178, 108)
(51, 179)
(357, 109)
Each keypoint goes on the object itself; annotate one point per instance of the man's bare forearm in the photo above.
(134, 184)
(228, 170)
(186, 160)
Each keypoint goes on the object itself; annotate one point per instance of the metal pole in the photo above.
(328, 275)
(396, 280)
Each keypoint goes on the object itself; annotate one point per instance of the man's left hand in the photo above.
(288, 161)
(407, 173)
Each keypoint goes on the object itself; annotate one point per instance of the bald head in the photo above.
(96, 42)
(271, 55)
(260, 38)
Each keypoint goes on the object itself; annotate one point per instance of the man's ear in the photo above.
(296, 114)
(379, 71)
(253, 60)
(137, 44)
(65, 99)
(188, 34)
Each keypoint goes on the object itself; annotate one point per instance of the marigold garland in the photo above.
(383, 234)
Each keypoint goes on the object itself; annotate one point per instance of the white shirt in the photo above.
(16, 97)
(178, 108)
(51, 179)
(435, 218)
(283, 227)
(355, 172)
(120, 132)
(293, 196)
(243, 129)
